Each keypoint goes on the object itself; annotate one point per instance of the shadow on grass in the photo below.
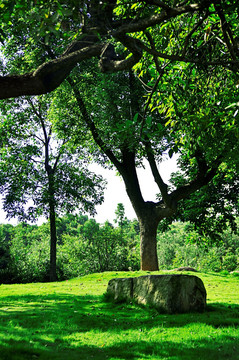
(44, 327)
(200, 350)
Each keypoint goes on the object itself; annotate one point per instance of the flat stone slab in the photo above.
(168, 293)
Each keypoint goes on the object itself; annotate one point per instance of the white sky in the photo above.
(116, 193)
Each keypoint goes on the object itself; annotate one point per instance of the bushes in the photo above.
(230, 262)
(212, 260)
(29, 254)
(182, 246)
(70, 258)
(83, 247)
(86, 247)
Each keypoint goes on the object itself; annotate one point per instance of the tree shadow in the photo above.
(226, 349)
(38, 327)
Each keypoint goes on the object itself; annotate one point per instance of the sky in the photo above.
(115, 192)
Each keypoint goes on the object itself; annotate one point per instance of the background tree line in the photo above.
(84, 246)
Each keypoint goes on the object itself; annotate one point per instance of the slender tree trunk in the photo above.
(148, 244)
(53, 276)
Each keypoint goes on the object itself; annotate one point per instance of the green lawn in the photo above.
(70, 320)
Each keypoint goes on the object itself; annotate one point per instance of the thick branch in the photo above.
(46, 77)
(205, 175)
(130, 177)
(57, 161)
(113, 65)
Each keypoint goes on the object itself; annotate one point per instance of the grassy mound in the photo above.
(70, 320)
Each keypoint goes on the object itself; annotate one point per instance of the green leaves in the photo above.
(215, 208)
(36, 165)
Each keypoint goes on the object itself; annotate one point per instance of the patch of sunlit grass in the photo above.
(71, 320)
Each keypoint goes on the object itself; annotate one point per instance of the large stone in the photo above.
(168, 293)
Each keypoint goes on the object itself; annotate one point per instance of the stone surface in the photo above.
(185, 268)
(168, 293)
(121, 289)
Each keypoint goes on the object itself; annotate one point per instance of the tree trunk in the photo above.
(146, 211)
(148, 244)
(53, 276)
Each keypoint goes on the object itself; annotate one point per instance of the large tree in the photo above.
(178, 50)
(191, 32)
(41, 174)
(188, 116)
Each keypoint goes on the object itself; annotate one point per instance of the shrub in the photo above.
(30, 263)
(230, 262)
(70, 258)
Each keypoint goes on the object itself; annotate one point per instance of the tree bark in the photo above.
(53, 275)
(148, 244)
(147, 212)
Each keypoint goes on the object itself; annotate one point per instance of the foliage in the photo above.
(6, 233)
(146, 34)
(214, 208)
(83, 247)
(181, 245)
(28, 254)
(39, 167)
(99, 248)
(78, 323)
(175, 95)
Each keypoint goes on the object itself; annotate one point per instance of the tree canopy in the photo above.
(150, 78)
(121, 34)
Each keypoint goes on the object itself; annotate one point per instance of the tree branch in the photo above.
(226, 30)
(157, 19)
(46, 137)
(46, 77)
(204, 176)
(192, 31)
(157, 177)
(151, 41)
(92, 126)
(113, 65)
(179, 58)
(161, 72)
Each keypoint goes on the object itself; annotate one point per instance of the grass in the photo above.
(70, 320)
